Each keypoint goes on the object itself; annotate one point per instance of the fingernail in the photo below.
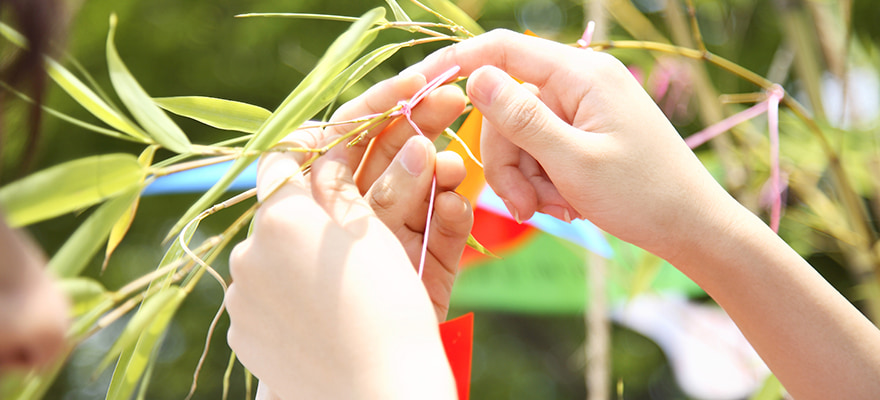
(487, 85)
(512, 210)
(413, 157)
(560, 213)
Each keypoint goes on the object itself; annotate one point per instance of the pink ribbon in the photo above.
(771, 106)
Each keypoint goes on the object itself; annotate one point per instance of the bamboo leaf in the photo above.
(160, 127)
(399, 14)
(221, 114)
(69, 186)
(474, 244)
(156, 310)
(367, 63)
(91, 101)
(449, 10)
(69, 119)
(120, 229)
(84, 294)
(771, 390)
(76, 252)
(309, 97)
(134, 361)
(325, 17)
(79, 91)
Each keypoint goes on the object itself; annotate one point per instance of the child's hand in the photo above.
(592, 143)
(398, 192)
(323, 291)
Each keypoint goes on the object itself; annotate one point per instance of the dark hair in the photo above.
(38, 21)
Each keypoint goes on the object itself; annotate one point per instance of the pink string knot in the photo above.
(406, 107)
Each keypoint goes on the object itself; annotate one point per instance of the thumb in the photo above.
(333, 188)
(515, 112)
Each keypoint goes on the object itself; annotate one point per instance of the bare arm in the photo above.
(594, 144)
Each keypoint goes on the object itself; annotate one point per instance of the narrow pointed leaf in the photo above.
(309, 97)
(70, 186)
(367, 63)
(219, 113)
(474, 244)
(79, 91)
(133, 361)
(160, 127)
(449, 10)
(84, 294)
(79, 249)
(399, 14)
(91, 101)
(158, 308)
(120, 229)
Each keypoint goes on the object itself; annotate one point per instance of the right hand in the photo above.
(591, 143)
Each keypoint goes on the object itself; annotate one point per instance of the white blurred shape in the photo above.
(710, 357)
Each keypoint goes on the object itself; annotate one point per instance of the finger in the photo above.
(399, 194)
(277, 168)
(378, 99)
(450, 170)
(450, 227)
(519, 115)
(501, 161)
(333, 188)
(436, 112)
(528, 58)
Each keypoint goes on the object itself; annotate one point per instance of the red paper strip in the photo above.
(458, 341)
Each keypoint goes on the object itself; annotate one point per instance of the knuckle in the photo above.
(237, 259)
(382, 197)
(522, 116)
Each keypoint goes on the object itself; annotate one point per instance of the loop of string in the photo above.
(405, 110)
(406, 107)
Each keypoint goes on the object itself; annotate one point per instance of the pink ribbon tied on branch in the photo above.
(406, 107)
(774, 95)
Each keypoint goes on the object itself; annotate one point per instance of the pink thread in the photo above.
(776, 94)
(587, 37)
(406, 107)
(703, 136)
(771, 106)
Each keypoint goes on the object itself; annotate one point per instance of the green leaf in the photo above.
(91, 101)
(76, 252)
(771, 390)
(310, 96)
(325, 17)
(474, 244)
(221, 114)
(457, 15)
(84, 294)
(69, 186)
(78, 90)
(399, 14)
(160, 306)
(367, 63)
(133, 361)
(156, 311)
(160, 127)
(120, 229)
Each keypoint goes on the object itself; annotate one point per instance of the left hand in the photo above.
(392, 171)
(324, 287)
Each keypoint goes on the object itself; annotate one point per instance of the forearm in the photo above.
(812, 338)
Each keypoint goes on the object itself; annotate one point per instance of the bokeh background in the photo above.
(824, 52)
